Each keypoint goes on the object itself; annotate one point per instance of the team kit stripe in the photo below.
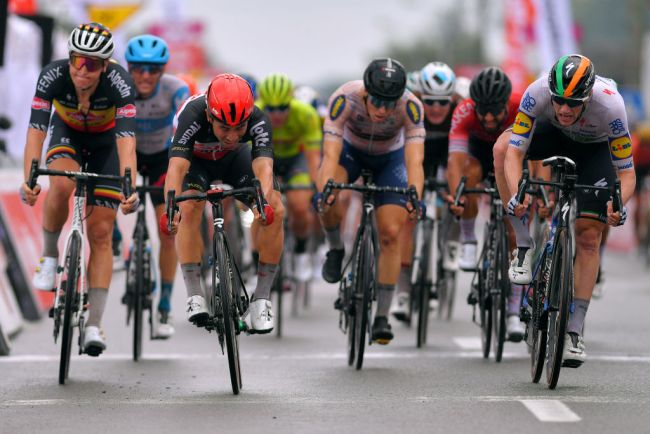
(577, 76)
(558, 75)
(61, 149)
(107, 192)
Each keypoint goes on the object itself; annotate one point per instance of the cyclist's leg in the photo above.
(477, 166)
(401, 303)
(103, 202)
(348, 170)
(63, 153)
(189, 247)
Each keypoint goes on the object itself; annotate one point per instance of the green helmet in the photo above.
(276, 89)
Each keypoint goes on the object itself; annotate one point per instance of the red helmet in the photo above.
(230, 99)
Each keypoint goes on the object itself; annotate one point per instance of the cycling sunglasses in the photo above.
(141, 68)
(92, 64)
(495, 110)
(379, 103)
(277, 108)
(571, 102)
(440, 101)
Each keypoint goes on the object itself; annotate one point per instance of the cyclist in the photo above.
(374, 124)
(297, 138)
(92, 128)
(210, 143)
(437, 85)
(577, 114)
(476, 124)
(159, 96)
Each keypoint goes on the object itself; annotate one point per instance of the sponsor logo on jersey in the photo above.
(523, 124)
(128, 111)
(528, 102)
(337, 107)
(189, 132)
(621, 148)
(413, 112)
(608, 92)
(260, 134)
(118, 82)
(48, 78)
(41, 104)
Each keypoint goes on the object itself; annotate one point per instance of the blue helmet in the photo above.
(147, 49)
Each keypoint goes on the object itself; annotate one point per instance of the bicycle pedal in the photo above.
(571, 363)
(472, 299)
(94, 351)
(50, 312)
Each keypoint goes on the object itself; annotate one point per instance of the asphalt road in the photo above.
(301, 383)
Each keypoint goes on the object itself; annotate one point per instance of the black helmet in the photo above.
(490, 88)
(385, 79)
(572, 77)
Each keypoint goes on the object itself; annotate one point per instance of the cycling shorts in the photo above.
(154, 168)
(292, 170)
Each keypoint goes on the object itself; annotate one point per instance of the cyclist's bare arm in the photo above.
(414, 159)
(33, 149)
(332, 147)
(176, 171)
(263, 170)
(313, 161)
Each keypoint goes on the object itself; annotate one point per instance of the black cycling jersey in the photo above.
(112, 106)
(436, 145)
(194, 135)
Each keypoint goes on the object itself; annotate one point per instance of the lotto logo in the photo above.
(128, 111)
(40, 104)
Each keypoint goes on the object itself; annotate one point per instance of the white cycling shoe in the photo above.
(196, 309)
(514, 329)
(165, 327)
(44, 278)
(520, 267)
(302, 267)
(400, 307)
(467, 261)
(574, 353)
(260, 316)
(94, 341)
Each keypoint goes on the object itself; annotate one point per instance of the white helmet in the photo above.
(413, 82)
(92, 39)
(305, 94)
(437, 79)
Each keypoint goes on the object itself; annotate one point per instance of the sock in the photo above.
(164, 305)
(192, 277)
(404, 279)
(51, 243)
(514, 300)
(384, 298)
(333, 236)
(577, 318)
(117, 234)
(96, 304)
(265, 278)
(300, 246)
(467, 234)
(256, 259)
(520, 226)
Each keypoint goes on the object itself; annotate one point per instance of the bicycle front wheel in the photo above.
(279, 292)
(560, 299)
(500, 291)
(423, 288)
(223, 273)
(70, 287)
(537, 326)
(363, 294)
(138, 295)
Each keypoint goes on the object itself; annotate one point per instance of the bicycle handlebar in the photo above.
(36, 171)
(216, 195)
(410, 192)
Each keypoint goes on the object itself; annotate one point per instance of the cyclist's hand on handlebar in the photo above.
(163, 223)
(417, 210)
(268, 212)
(28, 195)
(616, 218)
(131, 204)
(456, 210)
(515, 208)
(320, 204)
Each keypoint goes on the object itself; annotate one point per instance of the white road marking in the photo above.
(468, 343)
(550, 410)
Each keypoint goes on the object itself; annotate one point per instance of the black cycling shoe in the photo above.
(381, 331)
(332, 266)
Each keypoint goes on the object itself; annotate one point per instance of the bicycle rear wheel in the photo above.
(70, 288)
(423, 287)
(138, 294)
(278, 289)
(560, 299)
(484, 299)
(363, 294)
(449, 285)
(500, 290)
(537, 327)
(223, 272)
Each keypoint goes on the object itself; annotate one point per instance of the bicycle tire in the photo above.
(5, 349)
(279, 290)
(424, 290)
(537, 326)
(228, 307)
(138, 295)
(501, 291)
(450, 292)
(560, 299)
(363, 294)
(71, 284)
(484, 299)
